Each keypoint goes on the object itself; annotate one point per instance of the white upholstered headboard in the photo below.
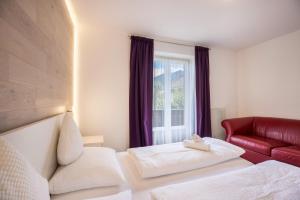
(37, 143)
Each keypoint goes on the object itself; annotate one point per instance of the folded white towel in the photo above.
(197, 138)
(196, 145)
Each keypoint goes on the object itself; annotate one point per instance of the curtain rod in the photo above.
(175, 43)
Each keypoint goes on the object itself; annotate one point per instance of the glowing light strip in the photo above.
(75, 58)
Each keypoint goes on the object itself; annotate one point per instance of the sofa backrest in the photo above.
(286, 130)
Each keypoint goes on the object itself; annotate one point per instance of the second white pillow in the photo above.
(70, 145)
(96, 167)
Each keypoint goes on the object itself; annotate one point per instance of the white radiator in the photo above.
(217, 115)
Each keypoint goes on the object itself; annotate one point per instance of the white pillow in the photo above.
(70, 144)
(96, 167)
(18, 179)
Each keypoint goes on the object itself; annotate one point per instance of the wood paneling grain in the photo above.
(29, 6)
(15, 43)
(4, 66)
(14, 96)
(23, 73)
(14, 15)
(36, 48)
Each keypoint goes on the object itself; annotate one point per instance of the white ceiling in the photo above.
(232, 24)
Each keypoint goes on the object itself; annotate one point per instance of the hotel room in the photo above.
(149, 99)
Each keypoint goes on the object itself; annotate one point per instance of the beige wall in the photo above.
(261, 80)
(269, 78)
(104, 83)
(103, 87)
(36, 42)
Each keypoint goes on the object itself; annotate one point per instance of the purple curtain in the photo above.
(141, 91)
(202, 92)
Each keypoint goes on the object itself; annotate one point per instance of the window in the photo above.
(173, 99)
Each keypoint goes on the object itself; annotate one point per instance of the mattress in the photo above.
(141, 187)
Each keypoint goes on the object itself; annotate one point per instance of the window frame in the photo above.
(187, 87)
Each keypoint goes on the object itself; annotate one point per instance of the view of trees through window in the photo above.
(158, 94)
(168, 91)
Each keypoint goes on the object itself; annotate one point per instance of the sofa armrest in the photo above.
(237, 126)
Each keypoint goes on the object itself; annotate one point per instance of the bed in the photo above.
(42, 139)
(141, 187)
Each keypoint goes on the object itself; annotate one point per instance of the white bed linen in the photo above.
(90, 193)
(125, 195)
(268, 180)
(141, 187)
(158, 160)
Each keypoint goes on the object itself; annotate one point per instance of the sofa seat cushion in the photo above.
(256, 143)
(290, 154)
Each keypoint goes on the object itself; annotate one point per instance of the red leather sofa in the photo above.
(265, 138)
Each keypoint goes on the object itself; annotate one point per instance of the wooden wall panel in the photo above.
(36, 49)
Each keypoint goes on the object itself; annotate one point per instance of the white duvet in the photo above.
(269, 180)
(158, 160)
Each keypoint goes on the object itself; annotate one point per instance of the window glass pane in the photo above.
(158, 93)
(177, 93)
